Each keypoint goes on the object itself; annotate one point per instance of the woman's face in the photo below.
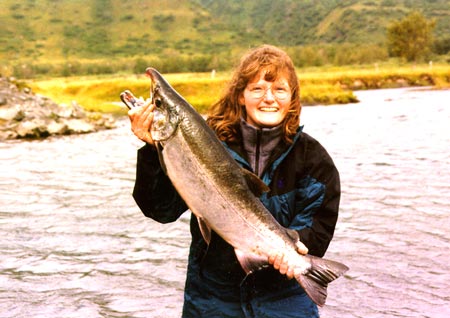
(266, 103)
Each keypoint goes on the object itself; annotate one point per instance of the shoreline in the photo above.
(318, 86)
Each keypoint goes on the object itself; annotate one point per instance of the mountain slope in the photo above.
(52, 29)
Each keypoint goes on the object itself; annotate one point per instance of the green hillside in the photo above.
(291, 22)
(90, 28)
(57, 31)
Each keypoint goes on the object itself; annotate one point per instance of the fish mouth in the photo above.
(150, 74)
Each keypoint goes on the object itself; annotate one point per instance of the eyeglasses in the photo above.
(279, 92)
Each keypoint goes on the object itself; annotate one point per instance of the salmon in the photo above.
(223, 196)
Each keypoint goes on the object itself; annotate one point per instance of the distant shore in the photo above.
(25, 115)
(319, 86)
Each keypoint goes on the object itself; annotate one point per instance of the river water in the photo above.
(74, 244)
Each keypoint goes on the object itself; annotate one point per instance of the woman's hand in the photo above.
(141, 119)
(281, 264)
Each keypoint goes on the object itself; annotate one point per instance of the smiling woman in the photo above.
(247, 96)
(266, 105)
(257, 121)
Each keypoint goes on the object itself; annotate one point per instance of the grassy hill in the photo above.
(198, 31)
(290, 22)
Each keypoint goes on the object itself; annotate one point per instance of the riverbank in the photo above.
(24, 114)
(74, 105)
(322, 85)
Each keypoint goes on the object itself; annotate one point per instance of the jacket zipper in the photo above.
(257, 152)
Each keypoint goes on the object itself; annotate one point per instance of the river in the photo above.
(74, 244)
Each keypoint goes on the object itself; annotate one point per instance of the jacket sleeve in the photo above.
(153, 190)
(322, 192)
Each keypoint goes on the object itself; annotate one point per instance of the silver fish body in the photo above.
(223, 196)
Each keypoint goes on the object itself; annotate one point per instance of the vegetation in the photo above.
(90, 49)
(323, 85)
(411, 38)
(89, 37)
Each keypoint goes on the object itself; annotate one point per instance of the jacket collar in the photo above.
(236, 152)
(260, 144)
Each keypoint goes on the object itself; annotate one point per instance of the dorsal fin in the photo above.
(204, 229)
(256, 185)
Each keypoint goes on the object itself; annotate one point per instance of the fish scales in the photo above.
(213, 199)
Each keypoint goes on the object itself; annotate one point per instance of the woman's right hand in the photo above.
(141, 119)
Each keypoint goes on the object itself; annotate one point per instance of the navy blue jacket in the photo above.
(304, 195)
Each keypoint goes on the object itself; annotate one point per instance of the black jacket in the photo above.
(304, 195)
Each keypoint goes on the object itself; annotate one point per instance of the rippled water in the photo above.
(73, 243)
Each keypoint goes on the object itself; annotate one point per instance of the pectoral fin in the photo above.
(159, 150)
(256, 185)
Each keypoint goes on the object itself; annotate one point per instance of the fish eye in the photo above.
(158, 102)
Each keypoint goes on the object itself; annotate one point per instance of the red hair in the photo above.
(225, 115)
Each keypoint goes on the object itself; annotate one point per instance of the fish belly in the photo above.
(229, 213)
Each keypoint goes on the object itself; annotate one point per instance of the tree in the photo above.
(411, 38)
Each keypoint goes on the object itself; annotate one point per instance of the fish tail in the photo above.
(315, 281)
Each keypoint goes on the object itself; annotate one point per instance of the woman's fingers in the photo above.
(141, 119)
(280, 263)
(272, 259)
(283, 267)
(301, 248)
(290, 273)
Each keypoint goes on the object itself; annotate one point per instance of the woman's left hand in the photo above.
(281, 264)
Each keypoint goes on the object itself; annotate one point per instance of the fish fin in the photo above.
(256, 185)
(316, 279)
(293, 234)
(251, 262)
(159, 150)
(204, 229)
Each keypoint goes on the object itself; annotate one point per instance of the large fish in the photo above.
(224, 196)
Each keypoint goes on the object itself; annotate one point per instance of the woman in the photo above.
(258, 120)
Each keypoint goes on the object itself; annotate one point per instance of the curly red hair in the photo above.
(225, 115)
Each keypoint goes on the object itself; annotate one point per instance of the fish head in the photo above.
(166, 113)
(164, 122)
